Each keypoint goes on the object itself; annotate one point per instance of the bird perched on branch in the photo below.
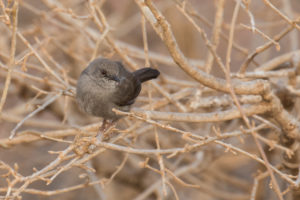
(107, 84)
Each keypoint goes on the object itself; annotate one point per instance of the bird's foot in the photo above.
(105, 130)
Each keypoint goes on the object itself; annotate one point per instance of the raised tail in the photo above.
(146, 74)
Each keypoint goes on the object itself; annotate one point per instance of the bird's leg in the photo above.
(103, 133)
(102, 127)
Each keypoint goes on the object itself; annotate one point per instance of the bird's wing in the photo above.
(128, 89)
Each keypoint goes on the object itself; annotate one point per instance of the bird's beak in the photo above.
(114, 78)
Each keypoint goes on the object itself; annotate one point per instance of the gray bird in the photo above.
(106, 84)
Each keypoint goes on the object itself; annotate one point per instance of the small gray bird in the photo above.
(106, 84)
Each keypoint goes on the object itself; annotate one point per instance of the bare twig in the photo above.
(11, 64)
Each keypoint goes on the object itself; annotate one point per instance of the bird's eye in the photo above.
(104, 72)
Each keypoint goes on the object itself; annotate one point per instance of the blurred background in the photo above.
(55, 40)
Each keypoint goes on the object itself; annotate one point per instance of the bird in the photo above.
(106, 84)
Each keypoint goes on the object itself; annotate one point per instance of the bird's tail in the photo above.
(146, 74)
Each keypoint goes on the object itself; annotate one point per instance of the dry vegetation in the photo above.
(221, 122)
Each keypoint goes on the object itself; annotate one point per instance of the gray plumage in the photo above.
(106, 84)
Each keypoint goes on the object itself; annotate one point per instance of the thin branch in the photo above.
(42, 107)
(11, 63)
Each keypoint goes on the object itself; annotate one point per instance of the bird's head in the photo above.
(104, 70)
